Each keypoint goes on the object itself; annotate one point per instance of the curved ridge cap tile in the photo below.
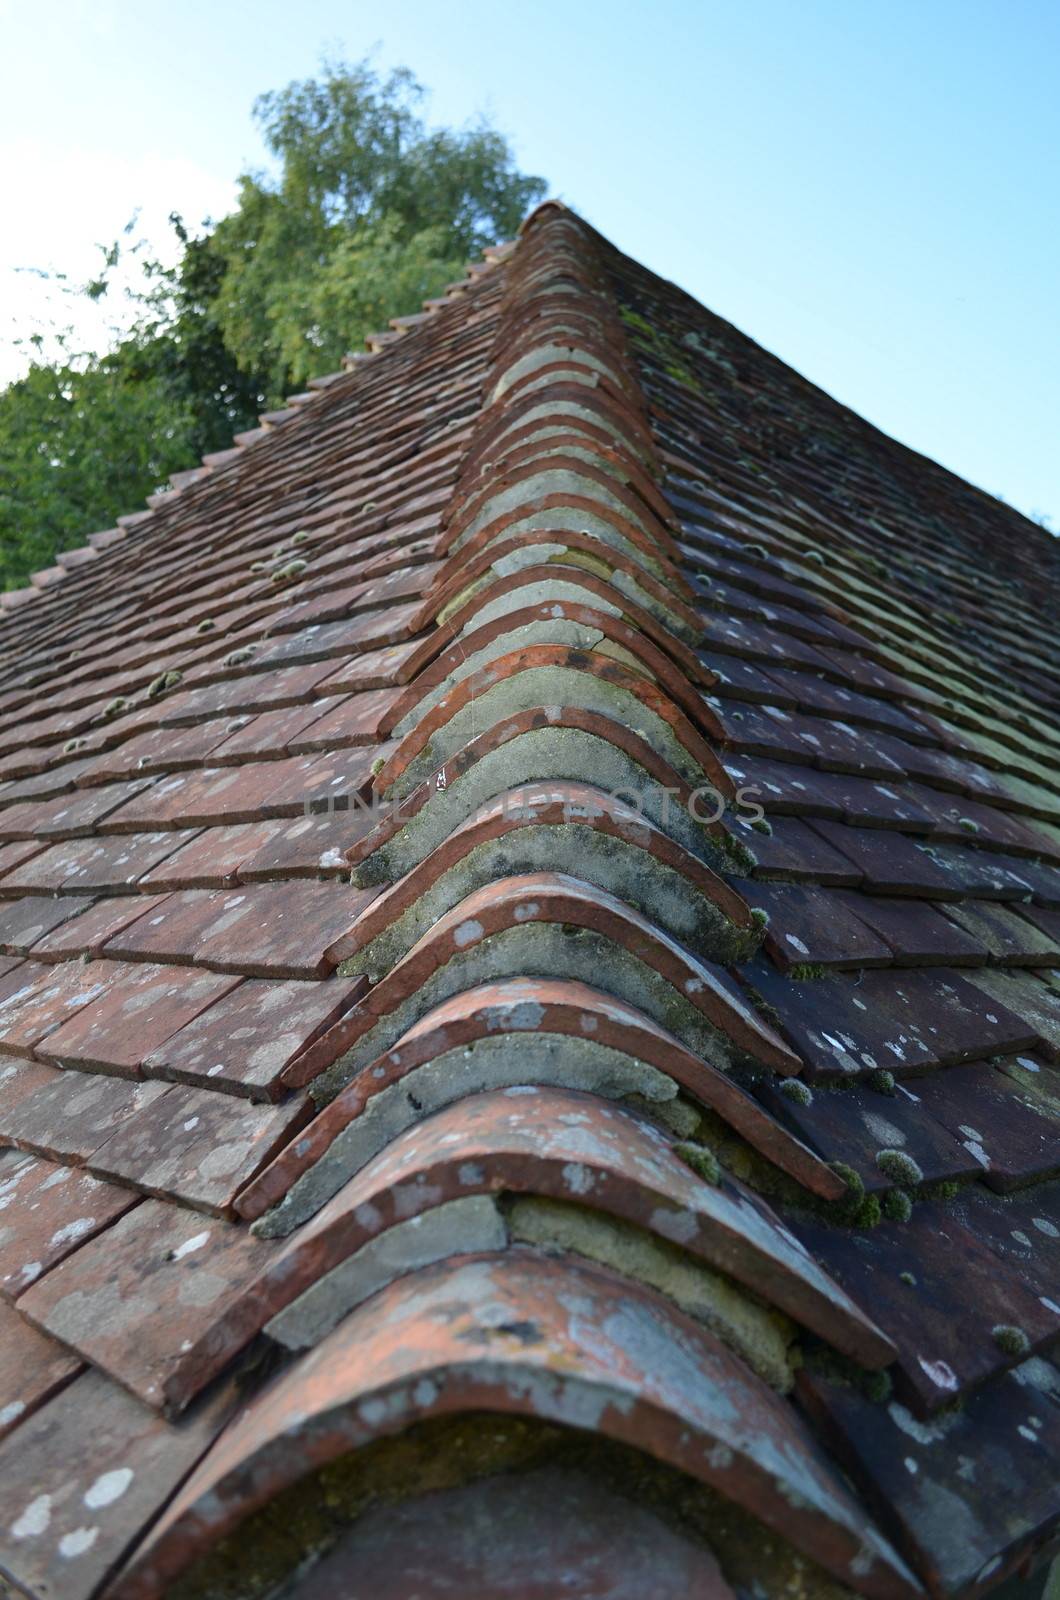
(503, 556)
(506, 487)
(595, 410)
(549, 805)
(458, 662)
(561, 337)
(658, 553)
(409, 830)
(554, 356)
(564, 439)
(502, 593)
(578, 667)
(557, 898)
(524, 1335)
(571, 1145)
(593, 589)
(541, 1006)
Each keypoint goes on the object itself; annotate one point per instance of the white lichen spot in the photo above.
(108, 1487)
(189, 1246)
(72, 1231)
(467, 933)
(578, 1179)
(76, 1543)
(34, 1520)
(941, 1374)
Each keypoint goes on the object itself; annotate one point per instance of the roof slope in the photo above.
(530, 889)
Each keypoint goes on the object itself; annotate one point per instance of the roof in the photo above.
(529, 1018)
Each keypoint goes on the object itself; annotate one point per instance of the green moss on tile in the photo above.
(794, 1089)
(895, 1164)
(1012, 1340)
(897, 1206)
(702, 1160)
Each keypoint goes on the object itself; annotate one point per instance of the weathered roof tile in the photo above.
(570, 607)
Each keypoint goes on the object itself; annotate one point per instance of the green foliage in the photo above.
(371, 213)
(368, 213)
(80, 443)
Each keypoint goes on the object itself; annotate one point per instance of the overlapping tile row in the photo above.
(145, 1025)
(411, 997)
(549, 931)
(907, 857)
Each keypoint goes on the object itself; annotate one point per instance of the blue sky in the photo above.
(869, 190)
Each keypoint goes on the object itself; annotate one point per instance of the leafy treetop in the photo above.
(367, 212)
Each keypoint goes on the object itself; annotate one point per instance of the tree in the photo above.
(370, 212)
(367, 213)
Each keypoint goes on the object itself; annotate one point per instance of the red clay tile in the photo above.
(788, 851)
(307, 847)
(255, 692)
(639, 701)
(37, 999)
(49, 1212)
(943, 1322)
(815, 927)
(487, 1538)
(18, 1080)
(24, 922)
(14, 855)
(1010, 1131)
(569, 1145)
(211, 859)
(891, 863)
(554, 900)
(67, 1115)
(69, 816)
(1023, 1229)
(157, 1284)
(245, 1041)
(482, 1336)
(917, 934)
(1011, 936)
(32, 1368)
(197, 1146)
(141, 1006)
(855, 1125)
(965, 1529)
(81, 1478)
(518, 1007)
(86, 934)
(898, 1022)
(260, 930)
(100, 866)
(357, 720)
(562, 433)
(165, 749)
(317, 643)
(270, 734)
(511, 833)
(375, 669)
